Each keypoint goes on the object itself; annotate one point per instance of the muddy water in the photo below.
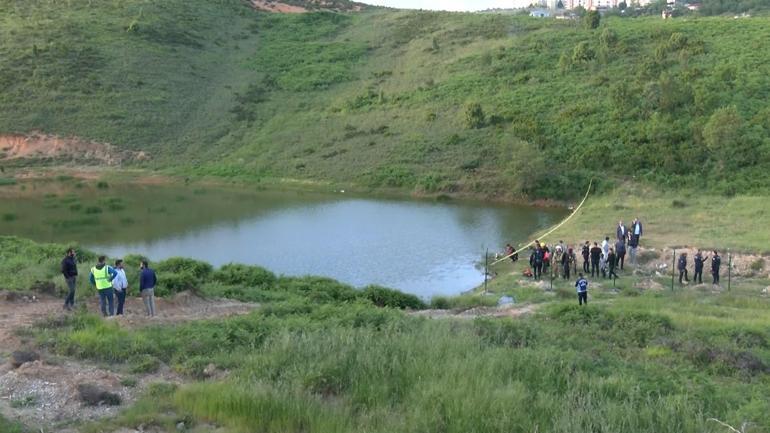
(423, 247)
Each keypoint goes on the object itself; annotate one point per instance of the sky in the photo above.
(450, 5)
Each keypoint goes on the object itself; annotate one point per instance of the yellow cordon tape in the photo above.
(545, 235)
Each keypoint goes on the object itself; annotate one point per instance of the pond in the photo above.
(423, 247)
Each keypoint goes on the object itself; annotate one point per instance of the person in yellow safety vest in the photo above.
(101, 277)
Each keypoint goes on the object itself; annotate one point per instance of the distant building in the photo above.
(540, 13)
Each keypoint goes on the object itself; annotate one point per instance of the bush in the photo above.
(319, 289)
(144, 364)
(176, 282)
(196, 268)
(237, 274)
(384, 297)
(508, 333)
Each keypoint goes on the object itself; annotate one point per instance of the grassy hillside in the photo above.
(422, 101)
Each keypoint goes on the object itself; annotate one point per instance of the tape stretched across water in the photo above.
(551, 230)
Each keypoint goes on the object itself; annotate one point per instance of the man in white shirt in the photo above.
(120, 284)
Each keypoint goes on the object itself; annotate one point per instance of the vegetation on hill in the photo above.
(424, 101)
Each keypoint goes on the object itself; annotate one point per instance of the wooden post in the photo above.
(729, 269)
(673, 270)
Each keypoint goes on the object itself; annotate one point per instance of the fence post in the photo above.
(729, 269)
(673, 270)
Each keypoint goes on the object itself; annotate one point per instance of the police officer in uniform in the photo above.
(716, 262)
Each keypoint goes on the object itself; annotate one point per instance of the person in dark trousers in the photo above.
(621, 232)
(697, 276)
(582, 290)
(681, 265)
(633, 244)
(612, 261)
(596, 255)
(101, 277)
(120, 284)
(620, 251)
(716, 262)
(636, 231)
(69, 269)
(566, 262)
(536, 260)
(147, 281)
(586, 252)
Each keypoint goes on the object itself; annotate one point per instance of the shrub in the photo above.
(238, 274)
(144, 364)
(8, 217)
(102, 185)
(319, 289)
(198, 269)
(176, 282)
(474, 116)
(384, 297)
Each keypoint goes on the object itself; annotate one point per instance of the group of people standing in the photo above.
(110, 282)
(561, 259)
(699, 261)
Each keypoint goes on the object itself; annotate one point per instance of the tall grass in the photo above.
(348, 368)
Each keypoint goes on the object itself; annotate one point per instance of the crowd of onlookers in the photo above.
(560, 260)
(603, 259)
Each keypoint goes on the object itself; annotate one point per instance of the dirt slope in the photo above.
(44, 394)
(44, 146)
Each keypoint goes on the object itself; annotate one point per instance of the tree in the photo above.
(622, 6)
(560, 5)
(592, 20)
(722, 135)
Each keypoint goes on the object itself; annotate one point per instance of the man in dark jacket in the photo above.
(716, 262)
(596, 255)
(586, 252)
(620, 251)
(636, 231)
(621, 232)
(69, 269)
(612, 261)
(681, 265)
(699, 261)
(147, 281)
(537, 261)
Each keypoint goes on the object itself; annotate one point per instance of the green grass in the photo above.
(703, 221)
(655, 362)
(381, 99)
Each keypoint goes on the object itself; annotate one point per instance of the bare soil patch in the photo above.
(45, 393)
(45, 146)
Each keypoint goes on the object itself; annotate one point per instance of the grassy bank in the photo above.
(429, 102)
(320, 356)
(650, 363)
(673, 219)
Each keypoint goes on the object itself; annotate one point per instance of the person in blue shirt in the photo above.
(147, 281)
(582, 290)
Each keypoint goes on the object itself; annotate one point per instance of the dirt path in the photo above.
(44, 394)
(472, 313)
